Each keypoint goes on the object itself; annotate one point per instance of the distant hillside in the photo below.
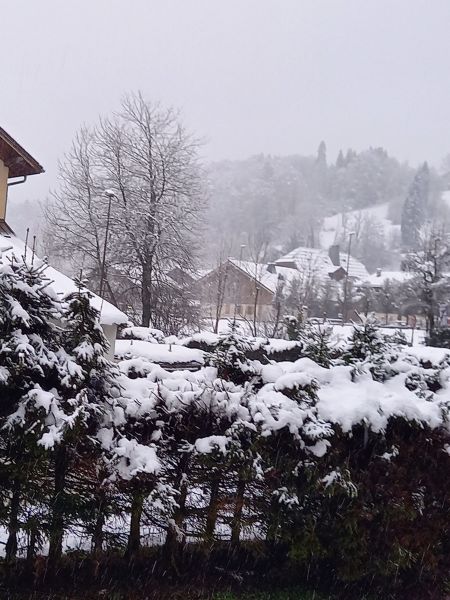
(337, 227)
(273, 204)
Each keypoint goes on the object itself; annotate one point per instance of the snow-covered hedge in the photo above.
(335, 461)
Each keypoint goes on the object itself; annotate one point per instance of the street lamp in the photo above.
(110, 195)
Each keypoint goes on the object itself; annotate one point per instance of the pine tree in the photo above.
(87, 380)
(321, 160)
(414, 209)
(28, 363)
(230, 357)
(366, 341)
(316, 343)
(340, 161)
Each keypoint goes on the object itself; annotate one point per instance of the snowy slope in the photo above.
(342, 223)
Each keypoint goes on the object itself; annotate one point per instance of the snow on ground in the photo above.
(342, 333)
(342, 222)
(434, 355)
(158, 353)
(348, 401)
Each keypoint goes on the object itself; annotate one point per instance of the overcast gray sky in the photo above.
(273, 76)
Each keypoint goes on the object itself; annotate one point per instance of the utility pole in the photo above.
(350, 236)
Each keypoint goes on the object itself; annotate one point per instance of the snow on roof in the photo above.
(355, 268)
(200, 273)
(61, 284)
(376, 280)
(308, 258)
(316, 262)
(260, 272)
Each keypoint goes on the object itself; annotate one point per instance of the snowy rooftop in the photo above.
(355, 268)
(60, 283)
(266, 278)
(376, 280)
(317, 262)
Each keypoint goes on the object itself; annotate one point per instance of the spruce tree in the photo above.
(28, 362)
(414, 209)
(340, 161)
(230, 357)
(87, 380)
(321, 159)
(316, 343)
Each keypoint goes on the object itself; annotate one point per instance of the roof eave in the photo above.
(19, 162)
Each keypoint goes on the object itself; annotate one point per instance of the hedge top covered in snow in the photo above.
(302, 395)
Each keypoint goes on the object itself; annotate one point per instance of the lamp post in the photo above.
(110, 195)
(350, 236)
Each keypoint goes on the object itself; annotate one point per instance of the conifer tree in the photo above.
(340, 161)
(28, 361)
(230, 357)
(87, 380)
(316, 343)
(414, 209)
(366, 341)
(321, 159)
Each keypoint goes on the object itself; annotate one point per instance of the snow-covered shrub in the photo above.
(146, 334)
(230, 357)
(333, 461)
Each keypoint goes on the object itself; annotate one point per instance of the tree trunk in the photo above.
(134, 536)
(146, 294)
(173, 545)
(213, 509)
(236, 523)
(97, 537)
(13, 523)
(31, 546)
(57, 519)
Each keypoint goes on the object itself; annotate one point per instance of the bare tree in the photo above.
(430, 284)
(149, 164)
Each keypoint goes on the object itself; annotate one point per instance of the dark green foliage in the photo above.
(366, 341)
(316, 346)
(230, 356)
(252, 484)
(440, 338)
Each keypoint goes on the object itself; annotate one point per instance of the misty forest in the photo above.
(222, 375)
